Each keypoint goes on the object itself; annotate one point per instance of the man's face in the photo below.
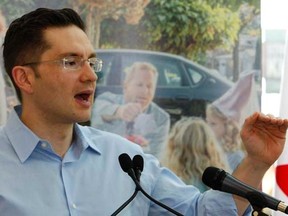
(141, 88)
(63, 95)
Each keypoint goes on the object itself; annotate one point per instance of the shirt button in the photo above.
(74, 206)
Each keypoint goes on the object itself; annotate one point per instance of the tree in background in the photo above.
(190, 28)
(187, 28)
(179, 27)
(95, 11)
(247, 11)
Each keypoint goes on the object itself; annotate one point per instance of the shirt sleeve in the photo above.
(186, 199)
(105, 104)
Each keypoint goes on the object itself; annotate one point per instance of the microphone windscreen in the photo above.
(125, 162)
(213, 177)
(138, 162)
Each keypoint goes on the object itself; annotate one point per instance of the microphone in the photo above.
(128, 166)
(138, 165)
(220, 180)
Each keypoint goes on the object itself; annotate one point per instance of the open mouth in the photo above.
(83, 96)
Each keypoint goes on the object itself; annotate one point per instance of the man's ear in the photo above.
(24, 78)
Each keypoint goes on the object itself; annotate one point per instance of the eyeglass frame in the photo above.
(79, 63)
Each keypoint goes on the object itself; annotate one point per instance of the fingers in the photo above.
(268, 118)
(276, 120)
(249, 121)
(130, 111)
(262, 121)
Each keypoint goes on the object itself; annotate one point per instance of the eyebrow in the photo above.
(63, 55)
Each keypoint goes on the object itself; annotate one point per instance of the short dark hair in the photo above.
(24, 41)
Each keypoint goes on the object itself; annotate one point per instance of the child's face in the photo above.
(217, 125)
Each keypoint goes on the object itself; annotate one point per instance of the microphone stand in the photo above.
(259, 212)
(257, 202)
(132, 175)
(137, 165)
(126, 203)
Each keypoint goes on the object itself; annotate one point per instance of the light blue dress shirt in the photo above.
(89, 181)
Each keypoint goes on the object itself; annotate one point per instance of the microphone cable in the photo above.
(138, 168)
(126, 203)
(127, 166)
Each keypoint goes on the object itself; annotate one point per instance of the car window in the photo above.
(169, 70)
(172, 77)
(108, 60)
(195, 75)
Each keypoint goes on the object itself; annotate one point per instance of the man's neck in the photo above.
(59, 135)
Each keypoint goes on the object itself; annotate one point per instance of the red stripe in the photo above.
(282, 178)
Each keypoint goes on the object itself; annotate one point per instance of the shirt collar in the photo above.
(82, 141)
(24, 141)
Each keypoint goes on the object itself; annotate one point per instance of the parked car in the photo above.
(183, 87)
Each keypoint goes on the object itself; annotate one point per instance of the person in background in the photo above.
(51, 165)
(191, 148)
(227, 132)
(134, 115)
(225, 116)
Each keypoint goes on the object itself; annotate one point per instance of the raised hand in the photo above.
(128, 112)
(264, 137)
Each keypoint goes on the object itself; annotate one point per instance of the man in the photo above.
(50, 165)
(133, 115)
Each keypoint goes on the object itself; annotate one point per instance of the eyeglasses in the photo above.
(74, 63)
